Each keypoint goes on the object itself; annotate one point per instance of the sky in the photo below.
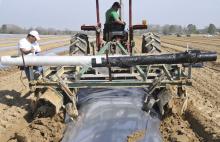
(71, 14)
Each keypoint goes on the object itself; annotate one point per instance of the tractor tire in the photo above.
(150, 43)
(79, 45)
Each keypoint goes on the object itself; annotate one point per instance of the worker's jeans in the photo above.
(36, 71)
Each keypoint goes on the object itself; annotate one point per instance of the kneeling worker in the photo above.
(29, 46)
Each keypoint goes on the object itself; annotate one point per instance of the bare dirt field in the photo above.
(17, 122)
(8, 46)
(200, 122)
(203, 114)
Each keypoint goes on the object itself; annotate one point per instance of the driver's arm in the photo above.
(118, 21)
(117, 18)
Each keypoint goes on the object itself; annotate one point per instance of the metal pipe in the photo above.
(98, 25)
(109, 67)
(130, 27)
(130, 13)
(97, 12)
(120, 11)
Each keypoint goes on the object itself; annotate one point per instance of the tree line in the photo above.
(165, 29)
(189, 29)
(14, 29)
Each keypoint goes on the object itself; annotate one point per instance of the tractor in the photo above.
(80, 43)
(110, 91)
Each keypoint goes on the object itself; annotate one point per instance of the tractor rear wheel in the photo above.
(150, 43)
(79, 45)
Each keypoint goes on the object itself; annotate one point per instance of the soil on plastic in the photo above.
(136, 136)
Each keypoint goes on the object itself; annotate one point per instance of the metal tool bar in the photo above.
(103, 84)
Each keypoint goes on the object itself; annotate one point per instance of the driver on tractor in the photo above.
(114, 26)
(112, 15)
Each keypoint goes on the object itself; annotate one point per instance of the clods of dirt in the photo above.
(43, 130)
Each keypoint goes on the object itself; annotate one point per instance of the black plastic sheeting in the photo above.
(111, 115)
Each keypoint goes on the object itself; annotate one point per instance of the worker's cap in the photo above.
(35, 34)
(116, 4)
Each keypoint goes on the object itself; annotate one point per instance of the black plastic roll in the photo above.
(175, 58)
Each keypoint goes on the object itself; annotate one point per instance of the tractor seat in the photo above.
(113, 30)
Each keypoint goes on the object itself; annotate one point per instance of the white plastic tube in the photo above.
(51, 60)
(48, 60)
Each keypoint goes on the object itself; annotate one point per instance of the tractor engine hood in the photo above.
(113, 115)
